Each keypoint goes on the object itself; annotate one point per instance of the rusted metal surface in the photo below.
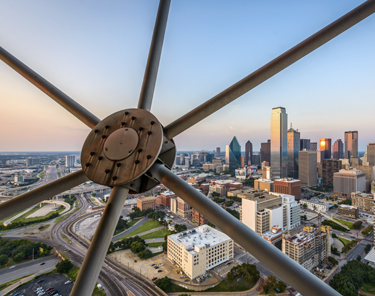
(133, 151)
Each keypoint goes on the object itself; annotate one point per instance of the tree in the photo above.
(121, 224)
(359, 258)
(357, 224)
(305, 205)
(150, 215)
(281, 286)
(271, 280)
(19, 257)
(367, 248)
(163, 283)
(3, 259)
(180, 227)
(230, 277)
(215, 194)
(234, 213)
(64, 266)
(266, 288)
(93, 194)
(332, 260)
(145, 254)
(137, 247)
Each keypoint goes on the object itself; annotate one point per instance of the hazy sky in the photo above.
(96, 52)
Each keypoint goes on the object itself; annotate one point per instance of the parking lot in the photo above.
(56, 281)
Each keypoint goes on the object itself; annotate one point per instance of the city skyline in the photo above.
(100, 54)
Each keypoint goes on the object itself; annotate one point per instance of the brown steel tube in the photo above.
(151, 73)
(50, 90)
(284, 267)
(41, 193)
(275, 66)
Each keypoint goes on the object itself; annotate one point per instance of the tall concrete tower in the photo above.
(248, 153)
(351, 144)
(279, 142)
(294, 144)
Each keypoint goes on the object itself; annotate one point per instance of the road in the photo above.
(21, 270)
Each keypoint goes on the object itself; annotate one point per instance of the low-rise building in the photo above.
(144, 203)
(236, 185)
(208, 166)
(165, 198)
(309, 247)
(348, 211)
(198, 218)
(222, 190)
(363, 201)
(173, 203)
(274, 235)
(264, 184)
(317, 205)
(200, 249)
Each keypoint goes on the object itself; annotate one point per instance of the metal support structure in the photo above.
(151, 72)
(91, 266)
(284, 267)
(50, 90)
(41, 193)
(267, 71)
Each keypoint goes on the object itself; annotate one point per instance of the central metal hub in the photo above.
(121, 144)
(122, 147)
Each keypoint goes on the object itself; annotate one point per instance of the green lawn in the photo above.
(343, 240)
(157, 234)
(131, 223)
(368, 288)
(34, 209)
(347, 223)
(176, 288)
(148, 225)
(155, 245)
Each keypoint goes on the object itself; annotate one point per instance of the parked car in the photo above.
(159, 270)
(68, 282)
(156, 267)
(161, 264)
(153, 264)
(155, 278)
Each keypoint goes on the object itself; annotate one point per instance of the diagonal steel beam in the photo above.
(284, 267)
(275, 66)
(41, 193)
(50, 90)
(91, 266)
(151, 73)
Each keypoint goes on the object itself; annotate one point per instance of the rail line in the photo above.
(133, 281)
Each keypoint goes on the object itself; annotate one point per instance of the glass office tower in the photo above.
(279, 153)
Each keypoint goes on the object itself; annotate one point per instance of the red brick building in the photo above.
(198, 218)
(148, 202)
(165, 198)
(236, 185)
(288, 186)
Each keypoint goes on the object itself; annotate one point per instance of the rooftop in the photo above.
(203, 235)
(302, 237)
(288, 180)
(146, 198)
(167, 193)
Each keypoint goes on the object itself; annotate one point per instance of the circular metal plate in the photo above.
(121, 143)
(119, 166)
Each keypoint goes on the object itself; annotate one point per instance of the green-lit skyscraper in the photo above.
(233, 154)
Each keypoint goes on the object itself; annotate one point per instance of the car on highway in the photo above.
(42, 263)
(11, 268)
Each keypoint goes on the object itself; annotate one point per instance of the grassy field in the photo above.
(157, 234)
(175, 288)
(368, 288)
(343, 240)
(155, 245)
(347, 223)
(131, 223)
(59, 172)
(148, 225)
(21, 218)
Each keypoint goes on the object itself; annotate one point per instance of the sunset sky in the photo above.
(96, 52)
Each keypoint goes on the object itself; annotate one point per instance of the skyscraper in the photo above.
(248, 153)
(313, 146)
(371, 154)
(351, 144)
(70, 160)
(305, 144)
(325, 147)
(233, 154)
(217, 151)
(307, 168)
(293, 149)
(265, 151)
(279, 153)
(338, 149)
